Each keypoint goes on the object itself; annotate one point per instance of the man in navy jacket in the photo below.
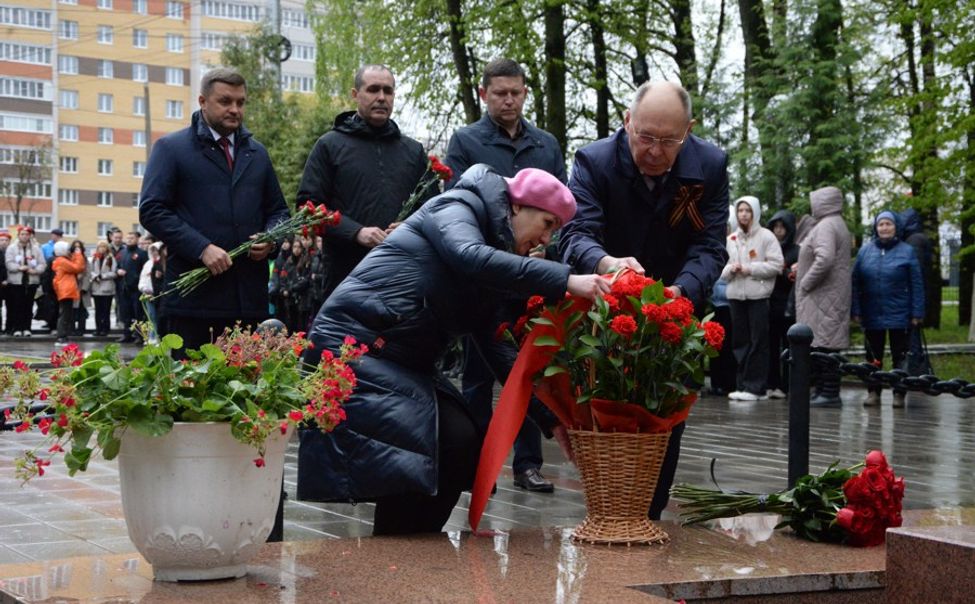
(207, 189)
(654, 198)
(504, 140)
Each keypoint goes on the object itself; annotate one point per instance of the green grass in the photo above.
(949, 333)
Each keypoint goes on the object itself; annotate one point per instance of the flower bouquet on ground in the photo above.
(436, 171)
(837, 506)
(308, 219)
(618, 373)
(252, 381)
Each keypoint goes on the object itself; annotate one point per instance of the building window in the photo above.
(19, 156)
(68, 65)
(231, 10)
(174, 110)
(303, 52)
(294, 18)
(39, 223)
(68, 30)
(106, 136)
(106, 103)
(174, 76)
(138, 105)
(174, 10)
(20, 88)
(104, 228)
(140, 38)
(106, 35)
(68, 197)
(106, 69)
(298, 83)
(25, 53)
(104, 4)
(32, 189)
(104, 167)
(138, 169)
(174, 42)
(105, 199)
(71, 2)
(68, 99)
(212, 41)
(25, 17)
(69, 164)
(70, 227)
(19, 122)
(138, 138)
(68, 132)
(140, 7)
(140, 72)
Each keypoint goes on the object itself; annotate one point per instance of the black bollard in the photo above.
(800, 340)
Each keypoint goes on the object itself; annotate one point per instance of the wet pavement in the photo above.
(931, 443)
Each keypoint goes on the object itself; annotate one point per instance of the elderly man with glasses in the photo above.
(652, 197)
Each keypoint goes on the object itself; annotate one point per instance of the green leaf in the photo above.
(77, 459)
(113, 377)
(212, 405)
(553, 370)
(546, 341)
(542, 321)
(172, 341)
(590, 340)
(111, 448)
(144, 421)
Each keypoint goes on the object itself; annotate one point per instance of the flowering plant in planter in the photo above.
(637, 345)
(254, 381)
(838, 506)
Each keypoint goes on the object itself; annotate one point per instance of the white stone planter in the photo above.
(195, 504)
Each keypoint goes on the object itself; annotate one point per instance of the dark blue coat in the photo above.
(679, 243)
(888, 290)
(483, 143)
(190, 199)
(444, 272)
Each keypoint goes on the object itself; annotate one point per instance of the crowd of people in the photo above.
(785, 273)
(60, 283)
(652, 198)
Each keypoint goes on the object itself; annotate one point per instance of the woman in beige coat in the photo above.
(823, 286)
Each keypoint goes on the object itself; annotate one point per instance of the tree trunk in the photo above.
(555, 71)
(597, 32)
(929, 211)
(684, 51)
(467, 89)
(967, 261)
(825, 39)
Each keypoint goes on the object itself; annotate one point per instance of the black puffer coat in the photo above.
(444, 272)
(366, 173)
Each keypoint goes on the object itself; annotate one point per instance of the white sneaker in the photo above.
(17, 334)
(777, 393)
(748, 396)
(27, 333)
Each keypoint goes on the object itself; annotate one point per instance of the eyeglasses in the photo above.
(668, 144)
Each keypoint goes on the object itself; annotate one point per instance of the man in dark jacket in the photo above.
(654, 198)
(207, 189)
(918, 362)
(781, 316)
(131, 259)
(365, 168)
(504, 140)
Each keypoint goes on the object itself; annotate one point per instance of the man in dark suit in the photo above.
(654, 198)
(506, 141)
(207, 189)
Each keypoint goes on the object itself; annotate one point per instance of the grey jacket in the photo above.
(102, 272)
(823, 283)
(16, 259)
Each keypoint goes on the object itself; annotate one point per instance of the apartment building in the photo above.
(86, 84)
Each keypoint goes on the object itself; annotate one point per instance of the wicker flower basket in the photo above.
(619, 474)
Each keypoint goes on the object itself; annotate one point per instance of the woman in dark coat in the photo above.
(409, 442)
(294, 280)
(888, 296)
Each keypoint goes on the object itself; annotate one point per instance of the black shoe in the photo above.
(532, 480)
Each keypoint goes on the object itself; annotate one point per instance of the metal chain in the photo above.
(896, 379)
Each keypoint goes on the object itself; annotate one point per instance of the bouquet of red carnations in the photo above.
(838, 506)
(436, 170)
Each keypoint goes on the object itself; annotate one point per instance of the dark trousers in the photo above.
(103, 313)
(661, 495)
(459, 445)
(778, 341)
(129, 310)
(65, 317)
(899, 341)
(478, 389)
(20, 306)
(723, 369)
(750, 318)
(196, 331)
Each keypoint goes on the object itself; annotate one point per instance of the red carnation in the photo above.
(535, 303)
(714, 334)
(613, 302)
(654, 313)
(671, 333)
(624, 325)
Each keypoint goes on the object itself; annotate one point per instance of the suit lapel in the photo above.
(242, 159)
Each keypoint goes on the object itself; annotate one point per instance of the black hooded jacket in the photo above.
(790, 254)
(365, 173)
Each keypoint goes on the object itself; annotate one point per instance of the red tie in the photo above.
(225, 143)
